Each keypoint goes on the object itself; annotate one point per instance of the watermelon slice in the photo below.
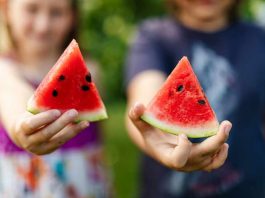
(69, 85)
(180, 106)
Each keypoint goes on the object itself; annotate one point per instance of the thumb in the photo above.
(135, 114)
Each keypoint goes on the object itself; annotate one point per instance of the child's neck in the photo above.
(211, 25)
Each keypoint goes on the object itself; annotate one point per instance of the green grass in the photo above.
(122, 155)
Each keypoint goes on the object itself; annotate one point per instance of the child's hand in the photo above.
(177, 152)
(45, 132)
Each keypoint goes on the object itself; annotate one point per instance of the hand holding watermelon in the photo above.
(177, 109)
(45, 132)
(178, 152)
(67, 94)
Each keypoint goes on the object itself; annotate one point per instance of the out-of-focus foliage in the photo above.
(257, 9)
(107, 27)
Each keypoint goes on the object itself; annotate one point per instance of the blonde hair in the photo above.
(6, 40)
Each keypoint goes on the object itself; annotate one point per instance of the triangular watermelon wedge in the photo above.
(180, 106)
(69, 85)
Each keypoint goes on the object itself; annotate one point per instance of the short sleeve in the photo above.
(145, 52)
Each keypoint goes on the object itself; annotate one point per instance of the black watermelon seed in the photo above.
(88, 78)
(61, 78)
(180, 88)
(85, 87)
(55, 93)
(202, 102)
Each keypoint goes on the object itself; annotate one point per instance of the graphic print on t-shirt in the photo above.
(217, 78)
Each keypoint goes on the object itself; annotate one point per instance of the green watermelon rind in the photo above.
(83, 116)
(175, 130)
(91, 116)
(33, 111)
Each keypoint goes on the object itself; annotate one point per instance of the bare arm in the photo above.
(141, 89)
(14, 95)
(175, 152)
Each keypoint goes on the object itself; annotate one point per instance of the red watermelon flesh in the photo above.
(180, 106)
(69, 85)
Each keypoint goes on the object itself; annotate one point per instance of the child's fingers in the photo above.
(200, 165)
(135, 114)
(181, 152)
(62, 137)
(49, 131)
(213, 144)
(219, 159)
(32, 123)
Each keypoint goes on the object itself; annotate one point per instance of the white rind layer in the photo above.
(205, 130)
(90, 116)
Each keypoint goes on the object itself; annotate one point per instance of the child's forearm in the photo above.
(13, 98)
(141, 89)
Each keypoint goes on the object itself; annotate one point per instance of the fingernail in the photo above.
(137, 104)
(227, 129)
(183, 136)
(56, 113)
(132, 113)
(85, 124)
(72, 113)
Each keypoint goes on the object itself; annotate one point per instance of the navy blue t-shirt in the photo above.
(230, 65)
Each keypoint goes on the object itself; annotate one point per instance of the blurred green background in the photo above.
(106, 29)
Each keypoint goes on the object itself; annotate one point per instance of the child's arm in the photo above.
(41, 133)
(176, 152)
